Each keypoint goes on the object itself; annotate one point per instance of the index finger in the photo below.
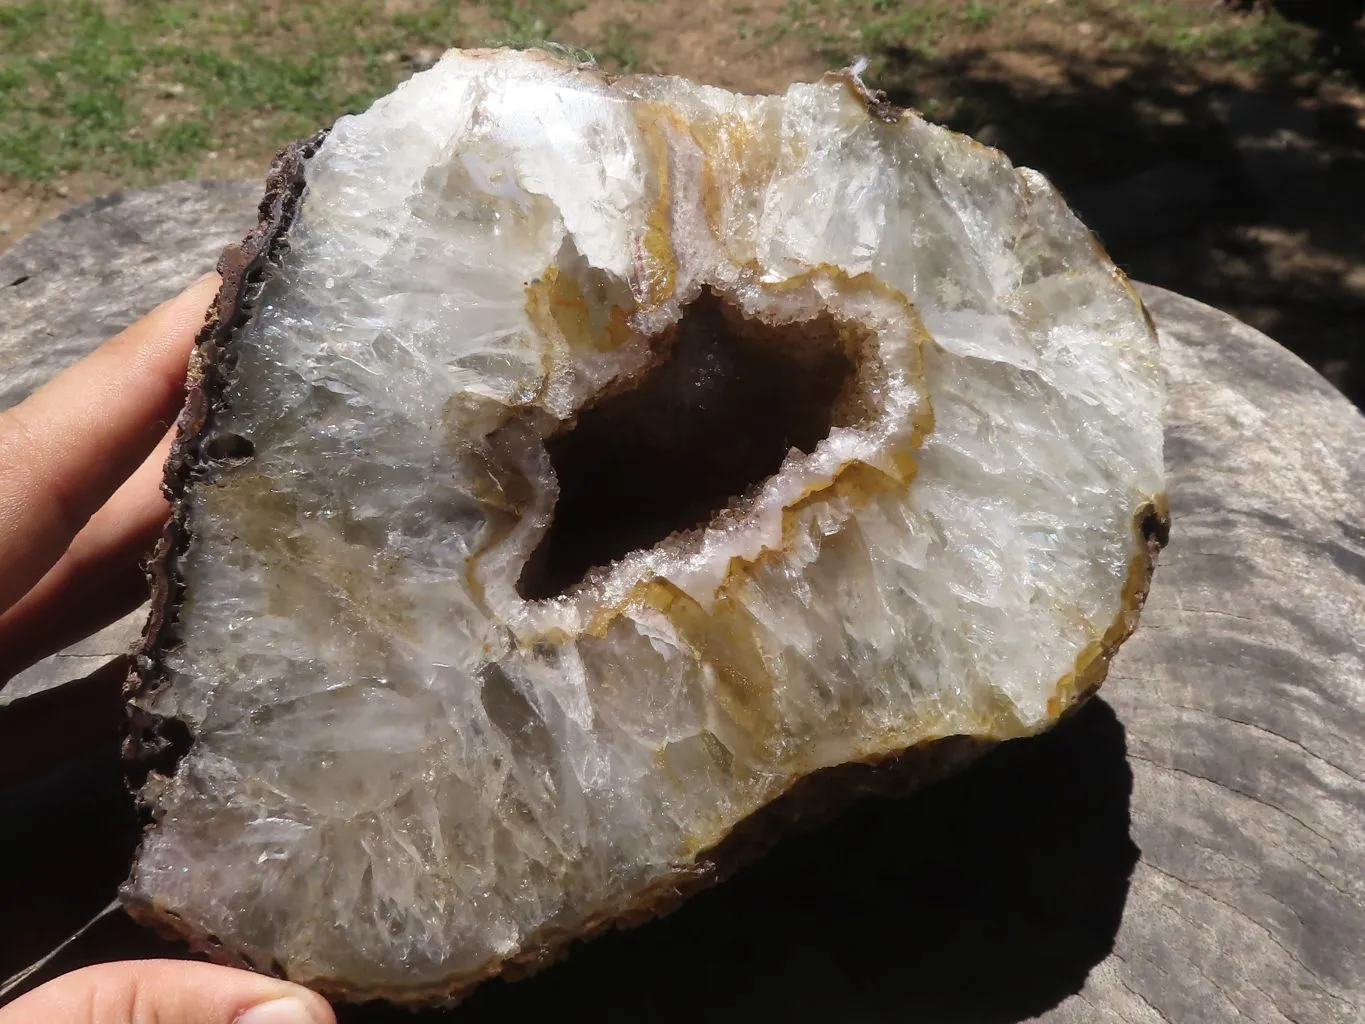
(67, 447)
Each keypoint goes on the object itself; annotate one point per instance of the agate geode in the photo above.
(578, 471)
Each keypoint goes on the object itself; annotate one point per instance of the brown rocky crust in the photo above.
(877, 102)
(152, 743)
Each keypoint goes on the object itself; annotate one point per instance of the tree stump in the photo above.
(1189, 847)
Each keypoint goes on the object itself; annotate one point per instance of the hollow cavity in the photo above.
(701, 429)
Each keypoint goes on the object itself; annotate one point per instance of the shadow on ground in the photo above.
(985, 899)
(1251, 199)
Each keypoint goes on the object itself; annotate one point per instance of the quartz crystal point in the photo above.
(577, 469)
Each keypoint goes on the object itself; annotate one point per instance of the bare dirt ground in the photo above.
(1240, 186)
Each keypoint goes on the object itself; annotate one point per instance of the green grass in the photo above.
(1262, 41)
(619, 47)
(528, 24)
(142, 89)
(977, 15)
(143, 85)
(902, 38)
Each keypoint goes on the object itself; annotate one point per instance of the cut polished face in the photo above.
(600, 459)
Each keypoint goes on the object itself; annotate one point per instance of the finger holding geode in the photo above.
(575, 466)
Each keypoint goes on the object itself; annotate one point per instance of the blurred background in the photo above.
(1217, 148)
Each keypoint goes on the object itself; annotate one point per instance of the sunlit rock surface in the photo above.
(624, 451)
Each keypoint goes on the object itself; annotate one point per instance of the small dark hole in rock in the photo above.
(1156, 527)
(227, 447)
(19, 280)
(159, 745)
(707, 425)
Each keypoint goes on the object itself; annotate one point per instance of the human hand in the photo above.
(80, 508)
(167, 992)
(80, 483)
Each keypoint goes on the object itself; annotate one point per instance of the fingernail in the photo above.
(289, 1010)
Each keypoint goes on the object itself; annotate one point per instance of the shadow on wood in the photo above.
(986, 898)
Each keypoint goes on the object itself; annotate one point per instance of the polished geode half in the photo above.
(577, 465)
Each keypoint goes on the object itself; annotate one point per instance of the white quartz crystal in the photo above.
(404, 772)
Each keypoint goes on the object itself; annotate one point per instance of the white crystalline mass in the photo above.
(403, 771)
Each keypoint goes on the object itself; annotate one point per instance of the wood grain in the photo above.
(1189, 848)
(1243, 695)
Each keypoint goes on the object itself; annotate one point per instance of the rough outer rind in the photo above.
(155, 744)
(152, 744)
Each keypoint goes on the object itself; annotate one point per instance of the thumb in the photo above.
(167, 992)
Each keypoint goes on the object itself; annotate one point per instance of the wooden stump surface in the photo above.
(1190, 847)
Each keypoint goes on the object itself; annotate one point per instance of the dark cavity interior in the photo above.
(703, 428)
